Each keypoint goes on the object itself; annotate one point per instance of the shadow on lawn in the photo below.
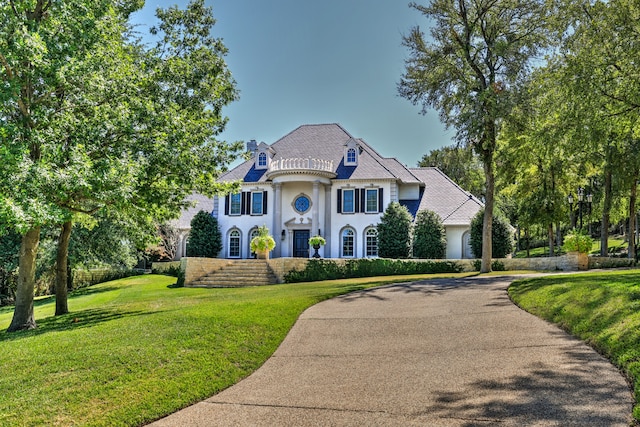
(76, 320)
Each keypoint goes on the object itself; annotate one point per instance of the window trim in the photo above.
(233, 235)
(353, 200)
(259, 164)
(351, 161)
(255, 206)
(366, 202)
(353, 242)
(239, 197)
(366, 242)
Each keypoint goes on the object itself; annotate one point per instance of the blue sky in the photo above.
(334, 61)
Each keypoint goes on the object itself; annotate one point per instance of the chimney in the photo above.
(252, 146)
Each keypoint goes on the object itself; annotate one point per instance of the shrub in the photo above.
(501, 236)
(577, 241)
(205, 239)
(429, 237)
(323, 269)
(394, 232)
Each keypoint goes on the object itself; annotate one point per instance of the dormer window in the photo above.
(351, 156)
(262, 161)
(264, 154)
(351, 151)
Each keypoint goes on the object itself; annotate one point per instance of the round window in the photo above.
(301, 204)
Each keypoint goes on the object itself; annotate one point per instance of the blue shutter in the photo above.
(380, 201)
(339, 201)
(264, 203)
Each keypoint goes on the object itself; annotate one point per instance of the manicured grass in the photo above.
(602, 309)
(614, 245)
(136, 349)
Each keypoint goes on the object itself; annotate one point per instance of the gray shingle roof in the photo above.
(202, 203)
(325, 142)
(443, 196)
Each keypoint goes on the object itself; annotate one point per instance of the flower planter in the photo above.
(316, 254)
(262, 254)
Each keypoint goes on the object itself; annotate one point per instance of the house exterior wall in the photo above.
(409, 192)
(320, 165)
(456, 241)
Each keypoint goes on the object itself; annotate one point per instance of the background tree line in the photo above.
(545, 97)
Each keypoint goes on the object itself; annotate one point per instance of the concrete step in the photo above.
(239, 273)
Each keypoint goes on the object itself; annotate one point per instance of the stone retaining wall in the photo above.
(161, 267)
(194, 268)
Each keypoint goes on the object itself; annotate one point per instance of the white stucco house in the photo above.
(319, 179)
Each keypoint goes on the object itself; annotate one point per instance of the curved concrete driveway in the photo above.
(435, 353)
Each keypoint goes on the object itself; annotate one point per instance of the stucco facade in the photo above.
(320, 180)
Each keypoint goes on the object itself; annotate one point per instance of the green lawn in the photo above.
(615, 244)
(602, 309)
(139, 348)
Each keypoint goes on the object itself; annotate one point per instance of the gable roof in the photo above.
(443, 196)
(200, 203)
(326, 142)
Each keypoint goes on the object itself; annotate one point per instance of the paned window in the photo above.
(235, 204)
(234, 244)
(371, 242)
(348, 201)
(351, 156)
(348, 239)
(256, 203)
(262, 160)
(371, 205)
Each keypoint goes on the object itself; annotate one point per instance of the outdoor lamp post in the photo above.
(582, 203)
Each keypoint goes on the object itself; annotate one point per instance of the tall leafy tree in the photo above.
(394, 232)
(94, 120)
(470, 71)
(599, 56)
(429, 236)
(539, 163)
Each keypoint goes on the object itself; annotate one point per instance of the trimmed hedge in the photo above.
(324, 269)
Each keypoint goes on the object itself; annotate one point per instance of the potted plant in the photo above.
(577, 245)
(315, 242)
(263, 243)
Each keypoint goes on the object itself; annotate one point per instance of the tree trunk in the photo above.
(604, 233)
(632, 217)
(550, 236)
(487, 244)
(62, 260)
(23, 313)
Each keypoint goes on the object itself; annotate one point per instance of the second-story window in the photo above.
(235, 202)
(256, 203)
(371, 204)
(348, 201)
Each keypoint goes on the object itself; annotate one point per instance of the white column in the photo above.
(326, 229)
(315, 208)
(277, 219)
